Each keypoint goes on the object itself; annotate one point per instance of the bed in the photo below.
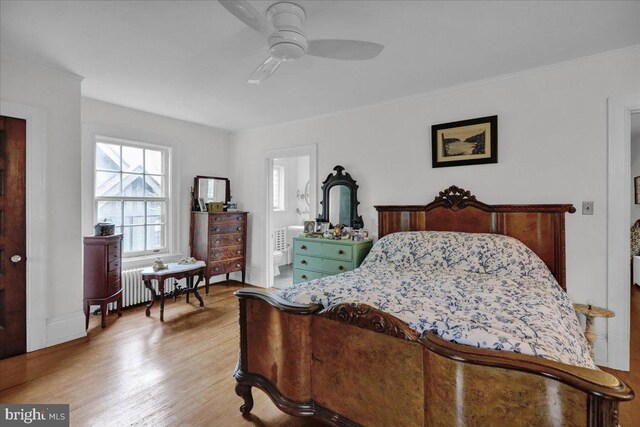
(458, 316)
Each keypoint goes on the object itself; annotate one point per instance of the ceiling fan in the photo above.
(282, 26)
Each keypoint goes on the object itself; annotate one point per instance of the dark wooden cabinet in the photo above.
(102, 271)
(220, 240)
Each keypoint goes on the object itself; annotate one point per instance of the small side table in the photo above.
(590, 313)
(174, 271)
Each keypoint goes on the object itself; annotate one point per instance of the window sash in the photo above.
(166, 220)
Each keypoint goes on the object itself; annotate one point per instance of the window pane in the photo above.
(134, 213)
(132, 185)
(154, 186)
(133, 239)
(107, 184)
(111, 210)
(276, 188)
(153, 162)
(155, 237)
(155, 212)
(107, 157)
(132, 159)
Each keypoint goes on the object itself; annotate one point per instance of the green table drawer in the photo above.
(324, 250)
(300, 275)
(323, 265)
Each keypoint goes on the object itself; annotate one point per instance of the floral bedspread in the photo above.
(482, 290)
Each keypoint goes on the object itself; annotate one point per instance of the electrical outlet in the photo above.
(587, 208)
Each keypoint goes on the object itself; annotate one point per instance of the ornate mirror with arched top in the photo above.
(340, 200)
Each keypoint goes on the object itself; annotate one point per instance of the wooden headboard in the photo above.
(540, 227)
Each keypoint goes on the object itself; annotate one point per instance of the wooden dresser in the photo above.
(102, 270)
(220, 240)
(314, 258)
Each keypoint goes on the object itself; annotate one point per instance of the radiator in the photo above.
(280, 239)
(133, 290)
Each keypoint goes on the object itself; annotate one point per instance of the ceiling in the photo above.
(190, 59)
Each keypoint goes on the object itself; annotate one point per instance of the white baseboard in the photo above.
(65, 328)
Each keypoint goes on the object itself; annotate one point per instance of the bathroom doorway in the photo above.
(291, 200)
(291, 207)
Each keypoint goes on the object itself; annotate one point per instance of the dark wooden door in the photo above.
(13, 234)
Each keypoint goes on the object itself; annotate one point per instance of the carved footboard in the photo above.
(355, 365)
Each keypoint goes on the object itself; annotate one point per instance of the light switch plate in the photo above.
(587, 208)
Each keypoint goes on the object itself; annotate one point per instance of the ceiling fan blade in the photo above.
(349, 50)
(248, 14)
(264, 70)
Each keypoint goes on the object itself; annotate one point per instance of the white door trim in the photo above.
(618, 222)
(310, 150)
(36, 198)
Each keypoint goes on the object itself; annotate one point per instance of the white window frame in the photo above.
(281, 188)
(168, 232)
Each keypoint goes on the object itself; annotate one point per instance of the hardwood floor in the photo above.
(630, 411)
(139, 371)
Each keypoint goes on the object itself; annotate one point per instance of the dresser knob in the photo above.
(238, 252)
(341, 267)
(217, 241)
(303, 247)
(239, 240)
(238, 218)
(239, 228)
(340, 252)
(303, 262)
(217, 228)
(218, 218)
(216, 269)
(238, 265)
(304, 276)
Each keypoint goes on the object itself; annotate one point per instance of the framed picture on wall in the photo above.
(466, 142)
(636, 187)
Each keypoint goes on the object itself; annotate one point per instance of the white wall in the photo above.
(196, 150)
(552, 149)
(57, 94)
(635, 165)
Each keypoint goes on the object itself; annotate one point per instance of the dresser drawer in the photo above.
(226, 218)
(323, 265)
(112, 288)
(114, 248)
(218, 254)
(325, 250)
(221, 267)
(114, 265)
(226, 228)
(300, 275)
(217, 241)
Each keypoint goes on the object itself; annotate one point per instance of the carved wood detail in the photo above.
(367, 317)
(456, 198)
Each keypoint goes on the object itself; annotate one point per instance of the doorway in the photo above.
(13, 292)
(620, 187)
(291, 200)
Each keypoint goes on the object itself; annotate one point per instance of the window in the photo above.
(278, 188)
(131, 190)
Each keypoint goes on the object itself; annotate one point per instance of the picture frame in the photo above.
(636, 182)
(309, 227)
(202, 206)
(465, 142)
(323, 227)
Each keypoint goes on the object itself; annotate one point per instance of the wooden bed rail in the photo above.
(401, 377)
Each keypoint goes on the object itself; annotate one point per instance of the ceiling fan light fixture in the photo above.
(287, 45)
